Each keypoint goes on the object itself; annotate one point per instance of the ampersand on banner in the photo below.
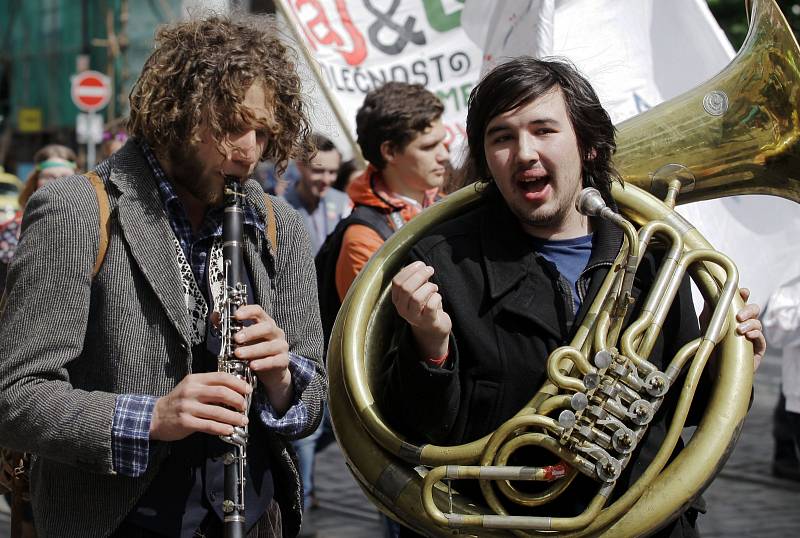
(405, 33)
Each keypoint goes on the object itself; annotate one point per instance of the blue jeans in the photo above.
(306, 449)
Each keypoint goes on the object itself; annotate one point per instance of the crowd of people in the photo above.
(109, 371)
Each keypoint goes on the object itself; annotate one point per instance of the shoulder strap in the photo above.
(104, 224)
(272, 228)
(374, 218)
(104, 220)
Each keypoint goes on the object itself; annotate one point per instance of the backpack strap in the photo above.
(384, 224)
(272, 227)
(104, 220)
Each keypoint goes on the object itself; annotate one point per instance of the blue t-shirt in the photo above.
(570, 257)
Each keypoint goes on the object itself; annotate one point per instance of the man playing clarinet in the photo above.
(110, 380)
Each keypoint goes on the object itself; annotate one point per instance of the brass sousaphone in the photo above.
(735, 134)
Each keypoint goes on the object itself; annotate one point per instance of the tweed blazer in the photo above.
(71, 343)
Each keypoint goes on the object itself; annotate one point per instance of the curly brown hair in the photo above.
(196, 79)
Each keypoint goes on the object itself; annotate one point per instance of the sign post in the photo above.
(91, 91)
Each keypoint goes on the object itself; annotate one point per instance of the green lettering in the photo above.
(438, 19)
(445, 96)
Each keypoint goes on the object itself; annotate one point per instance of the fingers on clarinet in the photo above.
(212, 427)
(251, 311)
(263, 330)
(226, 380)
(221, 415)
(224, 396)
(274, 363)
(261, 350)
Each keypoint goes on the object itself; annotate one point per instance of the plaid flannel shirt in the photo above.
(134, 412)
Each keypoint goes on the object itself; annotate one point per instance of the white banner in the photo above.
(360, 45)
(635, 52)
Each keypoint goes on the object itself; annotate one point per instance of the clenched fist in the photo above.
(418, 301)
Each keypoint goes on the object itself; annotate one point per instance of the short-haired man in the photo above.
(491, 293)
(110, 378)
(312, 196)
(321, 207)
(401, 134)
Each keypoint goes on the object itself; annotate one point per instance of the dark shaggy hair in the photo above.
(523, 79)
(346, 169)
(197, 77)
(395, 113)
(316, 143)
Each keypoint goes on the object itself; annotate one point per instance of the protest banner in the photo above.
(360, 45)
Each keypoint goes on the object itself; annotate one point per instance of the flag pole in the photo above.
(313, 65)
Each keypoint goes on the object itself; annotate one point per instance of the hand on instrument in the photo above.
(264, 345)
(211, 403)
(417, 300)
(750, 327)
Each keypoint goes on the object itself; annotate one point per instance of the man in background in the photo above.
(320, 206)
(401, 134)
(782, 326)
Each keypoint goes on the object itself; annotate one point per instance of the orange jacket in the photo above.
(360, 242)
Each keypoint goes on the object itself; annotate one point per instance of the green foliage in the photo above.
(732, 17)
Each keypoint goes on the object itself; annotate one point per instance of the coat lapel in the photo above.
(254, 246)
(146, 230)
(535, 300)
(517, 283)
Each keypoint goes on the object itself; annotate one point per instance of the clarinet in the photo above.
(234, 295)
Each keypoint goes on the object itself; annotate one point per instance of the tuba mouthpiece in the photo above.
(590, 202)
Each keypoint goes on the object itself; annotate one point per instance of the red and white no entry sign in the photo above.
(91, 90)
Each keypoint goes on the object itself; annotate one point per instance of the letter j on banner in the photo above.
(361, 45)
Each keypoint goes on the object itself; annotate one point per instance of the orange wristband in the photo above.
(438, 361)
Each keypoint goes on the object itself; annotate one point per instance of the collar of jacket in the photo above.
(370, 189)
(135, 201)
(507, 251)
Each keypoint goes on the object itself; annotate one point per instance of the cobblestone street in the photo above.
(744, 501)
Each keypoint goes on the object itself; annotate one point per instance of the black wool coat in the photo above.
(510, 309)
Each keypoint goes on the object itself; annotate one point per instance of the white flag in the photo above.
(508, 29)
(637, 53)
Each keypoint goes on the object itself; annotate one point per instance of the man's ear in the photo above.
(387, 151)
(591, 154)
